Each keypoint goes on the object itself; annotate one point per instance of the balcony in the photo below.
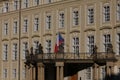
(100, 57)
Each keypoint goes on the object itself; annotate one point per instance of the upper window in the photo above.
(15, 26)
(75, 17)
(48, 1)
(36, 24)
(5, 52)
(5, 73)
(5, 28)
(25, 47)
(103, 73)
(6, 7)
(15, 4)
(107, 41)
(106, 12)
(14, 55)
(118, 11)
(48, 22)
(90, 44)
(14, 73)
(35, 46)
(25, 26)
(26, 3)
(89, 74)
(75, 44)
(61, 19)
(48, 46)
(118, 43)
(36, 2)
(90, 15)
(24, 73)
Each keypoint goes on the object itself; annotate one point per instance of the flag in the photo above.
(60, 41)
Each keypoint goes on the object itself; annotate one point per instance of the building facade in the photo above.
(82, 24)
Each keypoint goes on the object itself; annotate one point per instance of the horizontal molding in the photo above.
(75, 31)
(89, 29)
(35, 36)
(105, 27)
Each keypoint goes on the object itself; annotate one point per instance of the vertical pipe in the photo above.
(19, 13)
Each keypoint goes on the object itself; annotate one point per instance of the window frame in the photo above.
(75, 15)
(61, 19)
(75, 45)
(106, 12)
(90, 15)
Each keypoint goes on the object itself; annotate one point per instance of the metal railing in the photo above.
(73, 56)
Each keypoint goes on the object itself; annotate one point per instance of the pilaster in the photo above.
(40, 71)
(60, 70)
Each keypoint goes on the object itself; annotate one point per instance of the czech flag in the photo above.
(60, 41)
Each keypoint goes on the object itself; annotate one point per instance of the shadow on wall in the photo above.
(112, 77)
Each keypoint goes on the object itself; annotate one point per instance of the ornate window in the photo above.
(107, 41)
(24, 48)
(14, 56)
(36, 24)
(15, 4)
(90, 43)
(25, 26)
(26, 3)
(48, 46)
(14, 73)
(61, 19)
(15, 26)
(5, 51)
(75, 45)
(90, 15)
(118, 11)
(48, 22)
(106, 12)
(75, 17)
(5, 28)
(5, 73)
(89, 73)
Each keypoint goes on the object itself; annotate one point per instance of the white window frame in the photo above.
(90, 15)
(14, 73)
(118, 11)
(5, 28)
(48, 46)
(14, 55)
(26, 3)
(90, 43)
(75, 14)
(5, 71)
(89, 73)
(24, 48)
(36, 2)
(103, 73)
(35, 45)
(61, 19)
(25, 26)
(5, 52)
(75, 45)
(48, 1)
(24, 73)
(106, 12)
(48, 22)
(6, 7)
(36, 24)
(16, 5)
(107, 41)
(118, 44)
(15, 26)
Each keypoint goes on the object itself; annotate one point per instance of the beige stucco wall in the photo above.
(82, 30)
